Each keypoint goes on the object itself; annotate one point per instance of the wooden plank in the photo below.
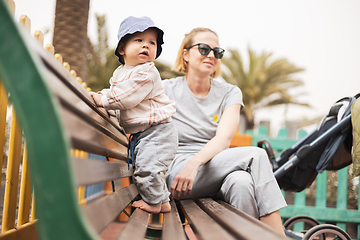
(83, 121)
(202, 224)
(87, 135)
(60, 73)
(100, 126)
(341, 199)
(25, 192)
(65, 86)
(102, 212)
(84, 110)
(251, 228)
(300, 200)
(3, 111)
(12, 175)
(92, 171)
(24, 232)
(322, 214)
(135, 228)
(321, 189)
(90, 147)
(172, 227)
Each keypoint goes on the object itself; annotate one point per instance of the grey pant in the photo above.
(154, 150)
(254, 192)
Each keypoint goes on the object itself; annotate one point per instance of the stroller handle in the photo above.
(306, 150)
(269, 152)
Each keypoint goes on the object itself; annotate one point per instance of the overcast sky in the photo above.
(321, 36)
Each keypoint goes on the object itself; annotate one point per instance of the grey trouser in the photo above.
(154, 150)
(254, 192)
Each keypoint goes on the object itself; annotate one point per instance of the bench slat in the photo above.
(105, 210)
(135, 228)
(64, 86)
(172, 227)
(87, 136)
(83, 124)
(92, 171)
(231, 208)
(62, 74)
(251, 228)
(202, 224)
(97, 149)
(92, 122)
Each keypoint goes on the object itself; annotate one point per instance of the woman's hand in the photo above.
(228, 124)
(184, 181)
(97, 98)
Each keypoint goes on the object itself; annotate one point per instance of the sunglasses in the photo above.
(205, 49)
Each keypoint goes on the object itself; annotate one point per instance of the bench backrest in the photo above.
(57, 114)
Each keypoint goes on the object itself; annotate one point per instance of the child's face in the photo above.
(140, 48)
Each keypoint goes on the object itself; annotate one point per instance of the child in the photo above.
(145, 111)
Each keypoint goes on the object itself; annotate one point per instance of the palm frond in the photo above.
(265, 83)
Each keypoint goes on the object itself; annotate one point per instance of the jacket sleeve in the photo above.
(129, 93)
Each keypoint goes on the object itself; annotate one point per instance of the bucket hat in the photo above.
(131, 25)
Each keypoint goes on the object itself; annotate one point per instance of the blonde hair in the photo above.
(180, 64)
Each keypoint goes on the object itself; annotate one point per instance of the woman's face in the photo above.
(197, 63)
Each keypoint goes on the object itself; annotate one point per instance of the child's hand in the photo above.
(97, 98)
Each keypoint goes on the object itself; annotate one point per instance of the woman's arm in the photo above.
(228, 124)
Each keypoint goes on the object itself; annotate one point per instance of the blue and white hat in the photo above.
(131, 25)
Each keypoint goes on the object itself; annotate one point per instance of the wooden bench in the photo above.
(57, 115)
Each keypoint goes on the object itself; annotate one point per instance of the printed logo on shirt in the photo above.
(216, 118)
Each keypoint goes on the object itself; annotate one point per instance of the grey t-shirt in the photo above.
(197, 119)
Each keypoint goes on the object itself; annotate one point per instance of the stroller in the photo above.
(326, 148)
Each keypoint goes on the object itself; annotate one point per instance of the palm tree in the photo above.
(70, 33)
(264, 84)
(101, 62)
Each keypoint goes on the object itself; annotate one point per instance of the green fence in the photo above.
(320, 210)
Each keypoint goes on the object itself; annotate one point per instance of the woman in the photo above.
(206, 119)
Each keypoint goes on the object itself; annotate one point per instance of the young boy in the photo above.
(145, 111)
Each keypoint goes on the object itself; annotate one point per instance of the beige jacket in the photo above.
(139, 95)
(355, 120)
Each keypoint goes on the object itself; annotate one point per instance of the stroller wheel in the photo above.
(329, 230)
(309, 221)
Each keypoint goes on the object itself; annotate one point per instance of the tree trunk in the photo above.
(70, 33)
